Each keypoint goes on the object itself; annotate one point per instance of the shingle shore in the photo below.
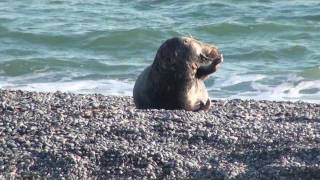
(70, 136)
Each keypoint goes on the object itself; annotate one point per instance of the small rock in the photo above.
(87, 114)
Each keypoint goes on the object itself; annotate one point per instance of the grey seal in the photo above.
(175, 80)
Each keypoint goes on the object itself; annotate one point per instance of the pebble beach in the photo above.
(74, 136)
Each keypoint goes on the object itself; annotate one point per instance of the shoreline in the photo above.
(87, 136)
(128, 93)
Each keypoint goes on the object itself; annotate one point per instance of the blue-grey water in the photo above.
(271, 47)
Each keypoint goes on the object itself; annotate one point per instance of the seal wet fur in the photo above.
(175, 80)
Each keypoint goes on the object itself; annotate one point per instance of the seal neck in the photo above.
(173, 73)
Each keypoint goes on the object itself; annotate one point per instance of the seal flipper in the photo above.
(202, 106)
(206, 106)
(204, 71)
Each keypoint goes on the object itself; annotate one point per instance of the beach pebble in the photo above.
(69, 136)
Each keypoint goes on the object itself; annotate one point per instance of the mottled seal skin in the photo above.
(175, 80)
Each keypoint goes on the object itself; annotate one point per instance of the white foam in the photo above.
(290, 89)
(238, 78)
(287, 91)
(106, 87)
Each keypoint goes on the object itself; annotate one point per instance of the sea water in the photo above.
(271, 47)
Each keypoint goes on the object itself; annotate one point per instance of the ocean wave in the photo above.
(250, 87)
(237, 28)
(106, 87)
(237, 79)
(46, 39)
(261, 87)
(22, 67)
(288, 91)
(311, 73)
(125, 39)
